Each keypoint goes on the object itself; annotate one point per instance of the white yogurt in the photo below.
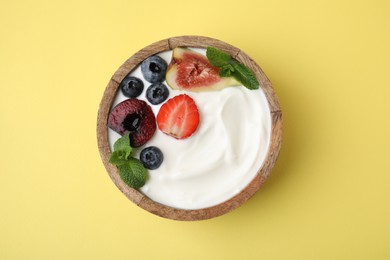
(220, 159)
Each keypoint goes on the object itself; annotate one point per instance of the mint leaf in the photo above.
(216, 57)
(131, 170)
(230, 67)
(226, 70)
(123, 144)
(133, 173)
(244, 75)
(118, 158)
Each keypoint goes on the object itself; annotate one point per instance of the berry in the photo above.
(157, 93)
(178, 117)
(133, 116)
(131, 86)
(154, 69)
(151, 157)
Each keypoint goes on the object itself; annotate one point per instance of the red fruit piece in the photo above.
(133, 116)
(192, 71)
(178, 117)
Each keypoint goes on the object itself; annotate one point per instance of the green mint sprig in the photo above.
(229, 67)
(131, 170)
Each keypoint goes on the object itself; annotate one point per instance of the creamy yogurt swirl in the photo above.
(220, 159)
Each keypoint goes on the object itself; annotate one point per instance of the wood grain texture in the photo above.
(202, 42)
(140, 199)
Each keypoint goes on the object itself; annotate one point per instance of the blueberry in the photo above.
(131, 86)
(153, 69)
(157, 93)
(151, 157)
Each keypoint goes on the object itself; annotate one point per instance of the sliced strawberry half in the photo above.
(178, 117)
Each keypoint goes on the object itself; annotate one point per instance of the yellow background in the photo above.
(328, 196)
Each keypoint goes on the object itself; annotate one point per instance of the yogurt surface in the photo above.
(222, 156)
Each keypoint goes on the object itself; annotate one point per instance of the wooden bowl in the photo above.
(169, 212)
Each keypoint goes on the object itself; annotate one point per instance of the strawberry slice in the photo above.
(178, 117)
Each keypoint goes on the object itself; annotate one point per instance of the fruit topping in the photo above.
(192, 71)
(178, 117)
(157, 93)
(154, 69)
(131, 86)
(133, 116)
(151, 157)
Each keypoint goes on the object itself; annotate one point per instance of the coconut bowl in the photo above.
(137, 197)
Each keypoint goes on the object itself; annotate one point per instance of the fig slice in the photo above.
(192, 71)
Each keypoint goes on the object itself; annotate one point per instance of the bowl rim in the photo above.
(142, 200)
